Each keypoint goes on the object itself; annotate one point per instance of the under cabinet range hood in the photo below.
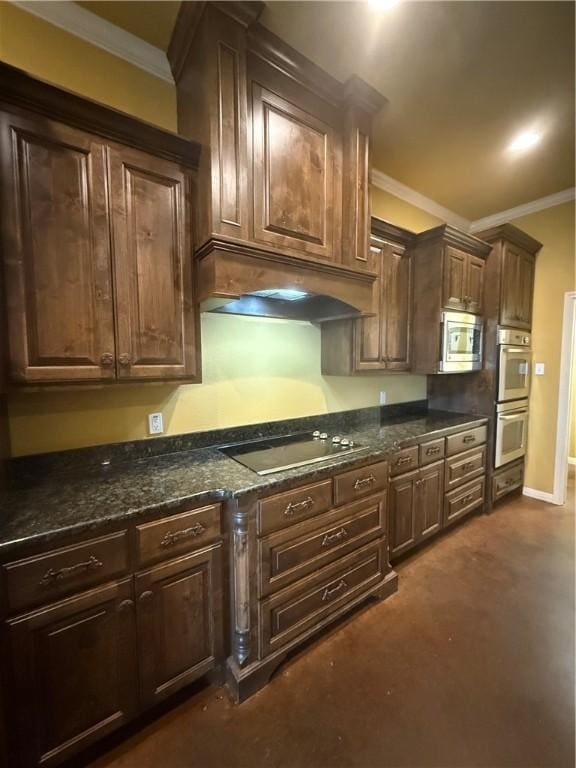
(282, 198)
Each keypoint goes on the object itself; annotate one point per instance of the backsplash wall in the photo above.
(254, 370)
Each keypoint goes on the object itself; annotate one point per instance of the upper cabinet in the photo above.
(463, 285)
(510, 284)
(449, 274)
(283, 185)
(382, 340)
(96, 247)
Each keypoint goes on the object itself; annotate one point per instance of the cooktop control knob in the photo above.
(336, 439)
(351, 443)
(323, 435)
(316, 434)
(344, 442)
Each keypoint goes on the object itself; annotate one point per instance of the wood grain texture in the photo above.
(56, 246)
(155, 314)
(59, 705)
(179, 610)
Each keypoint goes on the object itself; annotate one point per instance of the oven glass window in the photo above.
(463, 340)
(516, 373)
(512, 436)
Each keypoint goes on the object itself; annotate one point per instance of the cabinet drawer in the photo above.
(47, 577)
(176, 534)
(465, 440)
(289, 555)
(507, 481)
(360, 482)
(463, 500)
(465, 466)
(404, 461)
(291, 507)
(308, 603)
(432, 451)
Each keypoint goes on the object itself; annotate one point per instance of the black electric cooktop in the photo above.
(277, 453)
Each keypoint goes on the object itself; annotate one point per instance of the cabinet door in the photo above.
(295, 200)
(454, 284)
(429, 501)
(517, 287)
(155, 314)
(403, 533)
(75, 676)
(56, 244)
(179, 622)
(525, 290)
(367, 338)
(475, 285)
(396, 306)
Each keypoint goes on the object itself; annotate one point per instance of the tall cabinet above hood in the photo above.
(282, 194)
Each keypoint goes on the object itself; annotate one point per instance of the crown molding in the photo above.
(89, 27)
(524, 210)
(396, 188)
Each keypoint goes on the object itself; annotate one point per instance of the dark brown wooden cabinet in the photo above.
(179, 622)
(96, 243)
(74, 671)
(88, 644)
(416, 501)
(57, 260)
(152, 267)
(381, 341)
(463, 287)
(449, 274)
(517, 287)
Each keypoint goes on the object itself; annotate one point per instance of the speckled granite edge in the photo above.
(26, 469)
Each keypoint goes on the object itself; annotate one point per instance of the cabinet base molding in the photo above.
(243, 682)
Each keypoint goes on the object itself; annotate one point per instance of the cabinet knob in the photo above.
(125, 359)
(107, 360)
(145, 596)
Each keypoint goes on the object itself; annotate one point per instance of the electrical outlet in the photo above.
(539, 369)
(155, 424)
(382, 397)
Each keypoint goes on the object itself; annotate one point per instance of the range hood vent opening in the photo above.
(284, 303)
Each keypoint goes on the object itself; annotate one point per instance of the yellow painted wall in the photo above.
(572, 449)
(52, 54)
(391, 208)
(555, 275)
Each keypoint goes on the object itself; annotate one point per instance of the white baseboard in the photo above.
(534, 493)
(571, 459)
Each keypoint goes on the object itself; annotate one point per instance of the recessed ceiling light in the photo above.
(383, 5)
(525, 140)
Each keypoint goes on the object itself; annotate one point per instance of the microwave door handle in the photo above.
(520, 350)
(513, 416)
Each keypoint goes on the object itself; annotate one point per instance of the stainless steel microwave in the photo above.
(462, 336)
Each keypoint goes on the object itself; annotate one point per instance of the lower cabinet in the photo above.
(179, 622)
(416, 500)
(74, 673)
(84, 664)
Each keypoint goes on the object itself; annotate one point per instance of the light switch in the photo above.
(539, 369)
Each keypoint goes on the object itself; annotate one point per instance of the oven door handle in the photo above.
(513, 416)
(519, 350)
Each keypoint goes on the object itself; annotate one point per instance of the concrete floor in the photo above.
(471, 663)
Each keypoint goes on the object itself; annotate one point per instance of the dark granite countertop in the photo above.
(61, 504)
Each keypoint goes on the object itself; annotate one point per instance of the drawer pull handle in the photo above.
(361, 482)
(172, 538)
(433, 450)
(469, 439)
(330, 538)
(468, 498)
(299, 506)
(146, 596)
(329, 593)
(468, 465)
(403, 460)
(107, 360)
(125, 605)
(52, 576)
